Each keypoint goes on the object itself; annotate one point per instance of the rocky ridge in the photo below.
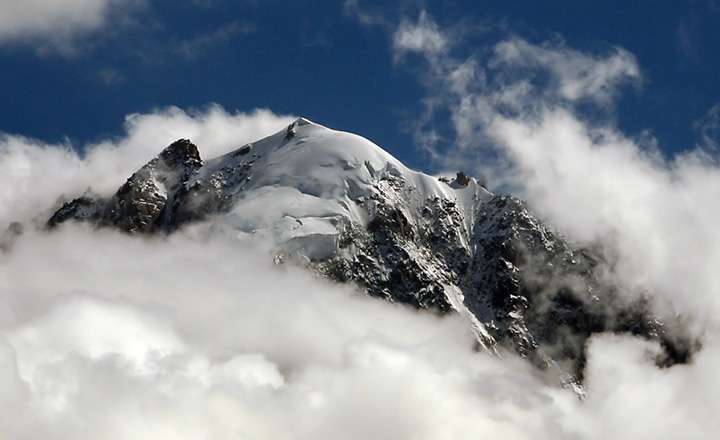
(342, 206)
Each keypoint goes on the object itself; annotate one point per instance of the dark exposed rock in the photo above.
(88, 207)
(462, 179)
(181, 153)
(546, 298)
(290, 133)
(141, 203)
(243, 150)
(136, 205)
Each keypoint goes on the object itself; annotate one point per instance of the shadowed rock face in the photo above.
(547, 298)
(535, 294)
(526, 288)
(141, 203)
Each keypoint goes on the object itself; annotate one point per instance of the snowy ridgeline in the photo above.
(339, 204)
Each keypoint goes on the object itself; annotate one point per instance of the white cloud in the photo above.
(56, 21)
(230, 345)
(597, 185)
(424, 37)
(576, 75)
(629, 398)
(206, 338)
(517, 78)
(31, 178)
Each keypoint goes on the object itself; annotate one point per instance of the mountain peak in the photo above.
(182, 151)
(344, 207)
(303, 121)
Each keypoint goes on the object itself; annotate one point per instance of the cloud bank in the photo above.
(197, 339)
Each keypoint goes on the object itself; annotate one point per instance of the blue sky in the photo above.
(73, 69)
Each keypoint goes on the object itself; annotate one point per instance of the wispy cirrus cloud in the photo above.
(197, 46)
(366, 16)
(110, 77)
(708, 127)
(423, 36)
(52, 25)
(511, 76)
(574, 75)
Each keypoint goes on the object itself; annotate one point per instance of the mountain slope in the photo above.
(344, 207)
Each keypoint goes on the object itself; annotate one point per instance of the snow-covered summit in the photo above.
(313, 180)
(342, 206)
